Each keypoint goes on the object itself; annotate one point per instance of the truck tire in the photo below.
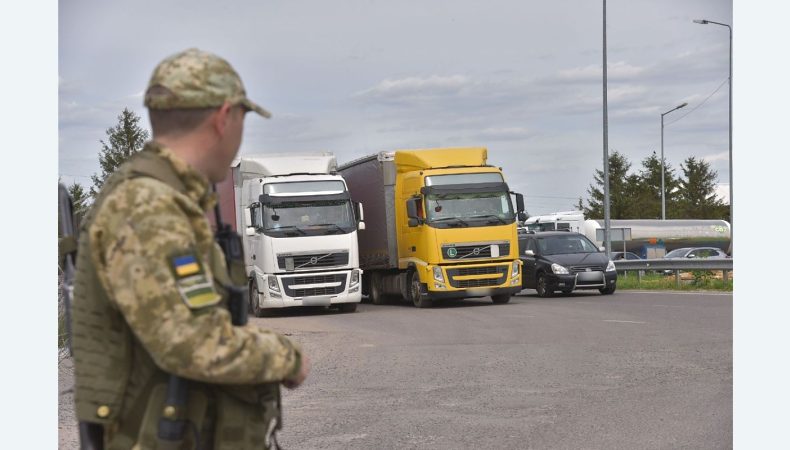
(347, 307)
(415, 292)
(376, 296)
(541, 286)
(255, 308)
(500, 299)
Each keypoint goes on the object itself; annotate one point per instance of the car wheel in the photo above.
(347, 307)
(542, 286)
(608, 290)
(376, 296)
(254, 299)
(500, 299)
(415, 292)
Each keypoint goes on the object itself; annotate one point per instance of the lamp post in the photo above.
(663, 195)
(607, 242)
(705, 22)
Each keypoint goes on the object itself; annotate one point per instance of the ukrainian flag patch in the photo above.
(195, 287)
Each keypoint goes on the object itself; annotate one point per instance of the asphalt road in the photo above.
(632, 370)
(585, 371)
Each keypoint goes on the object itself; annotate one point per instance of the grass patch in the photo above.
(653, 281)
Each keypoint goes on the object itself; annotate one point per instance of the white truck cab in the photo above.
(299, 228)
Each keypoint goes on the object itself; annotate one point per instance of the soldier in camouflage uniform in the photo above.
(150, 285)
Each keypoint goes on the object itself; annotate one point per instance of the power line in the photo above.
(702, 103)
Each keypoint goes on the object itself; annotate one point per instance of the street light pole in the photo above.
(732, 221)
(663, 190)
(607, 242)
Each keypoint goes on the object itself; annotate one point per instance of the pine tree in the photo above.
(123, 140)
(621, 188)
(697, 192)
(80, 201)
(648, 189)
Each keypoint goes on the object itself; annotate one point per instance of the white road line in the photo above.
(717, 294)
(624, 321)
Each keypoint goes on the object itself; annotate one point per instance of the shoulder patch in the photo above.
(195, 287)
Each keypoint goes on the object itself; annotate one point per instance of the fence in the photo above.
(675, 265)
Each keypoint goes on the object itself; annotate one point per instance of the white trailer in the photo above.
(644, 233)
(299, 229)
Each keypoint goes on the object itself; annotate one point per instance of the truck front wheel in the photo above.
(419, 299)
(254, 299)
(500, 299)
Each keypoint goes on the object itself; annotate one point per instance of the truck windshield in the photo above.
(308, 218)
(469, 209)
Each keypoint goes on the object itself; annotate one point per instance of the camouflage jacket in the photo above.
(139, 235)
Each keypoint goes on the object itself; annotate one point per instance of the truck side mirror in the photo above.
(248, 217)
(520, 204)
(411, 212)
(522, 216)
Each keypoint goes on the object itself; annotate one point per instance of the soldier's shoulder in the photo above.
(135, 197)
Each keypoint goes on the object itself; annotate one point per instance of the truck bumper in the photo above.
(310, 289)
(472, 293)
(474, 280)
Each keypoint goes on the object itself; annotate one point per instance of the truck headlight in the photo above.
(515, 269)
(437, 274)
(354, 277)
(610, 267)
(273, 285)
(558, 269)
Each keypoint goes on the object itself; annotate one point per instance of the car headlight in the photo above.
(273, 285)
(437, 274)
(559, 270)
(610, 267)
(354, 277)
(515, 269)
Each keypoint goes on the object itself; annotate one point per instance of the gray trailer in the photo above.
(371, 179)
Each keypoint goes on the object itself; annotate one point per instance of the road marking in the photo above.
(624, 321)
(670, 306)
(367, 345)
(708, 293)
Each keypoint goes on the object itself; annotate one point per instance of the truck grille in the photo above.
(307, 261)
(476, 283)
(501, 271)
(340, 278)
(473, 251)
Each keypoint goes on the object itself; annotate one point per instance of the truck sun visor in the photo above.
(476, 188)
(267, 199)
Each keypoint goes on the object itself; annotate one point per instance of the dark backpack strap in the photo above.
(149, 164)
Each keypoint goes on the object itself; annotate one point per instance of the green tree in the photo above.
(697, 192)
(123, 140)
(80, 201)
(647, 191)
(621, 188)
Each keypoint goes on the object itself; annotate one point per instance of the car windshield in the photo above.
(679, 253)
(488, 206)
(326, 217)
(562, 245)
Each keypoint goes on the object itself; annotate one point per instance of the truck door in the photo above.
(530, 264)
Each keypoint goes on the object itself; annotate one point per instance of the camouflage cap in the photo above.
(196, 79)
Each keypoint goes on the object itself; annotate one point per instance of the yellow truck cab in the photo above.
(440, 224)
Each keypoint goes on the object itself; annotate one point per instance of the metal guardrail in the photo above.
(675, 265)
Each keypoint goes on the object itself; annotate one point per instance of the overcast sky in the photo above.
(522, 78)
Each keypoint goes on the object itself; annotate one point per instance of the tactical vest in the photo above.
(117, 384)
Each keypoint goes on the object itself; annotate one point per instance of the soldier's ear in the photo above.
(221, 118)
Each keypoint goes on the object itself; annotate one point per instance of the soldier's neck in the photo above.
(195, 149)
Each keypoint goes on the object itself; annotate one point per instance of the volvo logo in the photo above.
(314, 260)
(476, 251)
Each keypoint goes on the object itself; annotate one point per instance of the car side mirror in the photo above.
(691, 255)
(529, 253)
(601, 249)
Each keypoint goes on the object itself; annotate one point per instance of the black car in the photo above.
(564, 261)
